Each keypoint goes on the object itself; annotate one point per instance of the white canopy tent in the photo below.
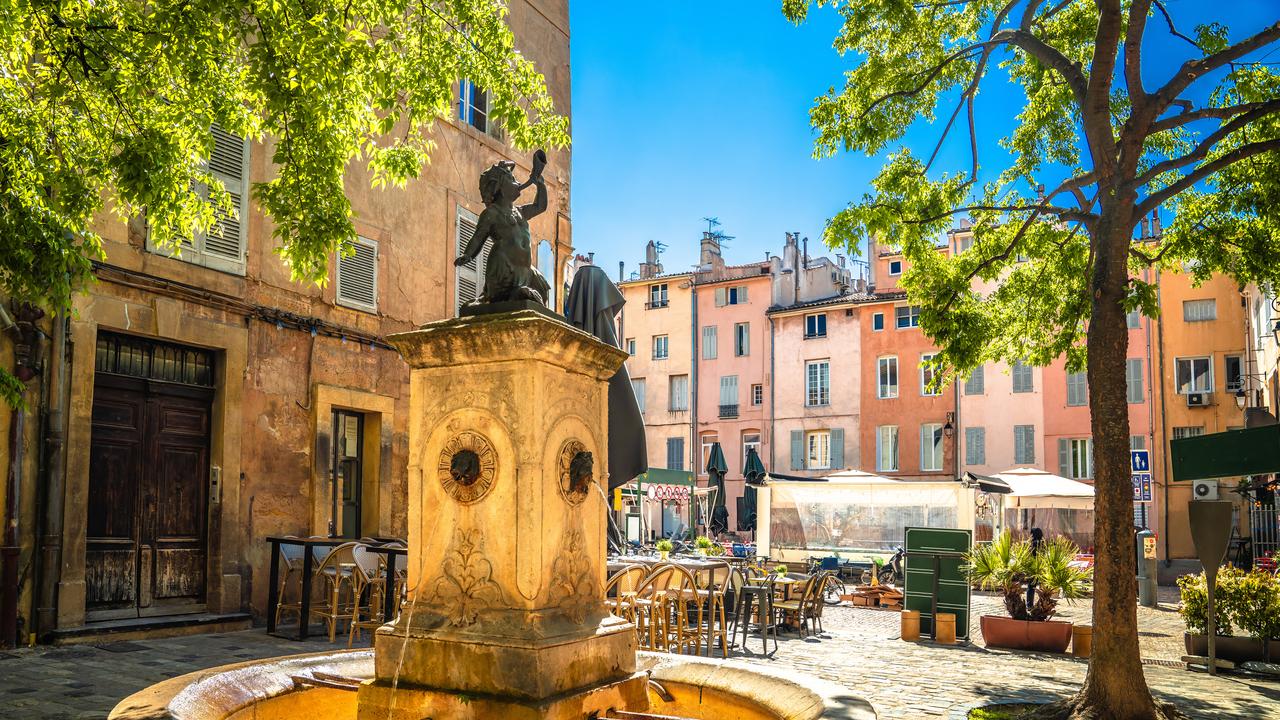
(1056, 505)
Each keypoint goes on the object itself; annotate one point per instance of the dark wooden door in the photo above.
(146, 548)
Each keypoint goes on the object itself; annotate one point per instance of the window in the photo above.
(1235, 375)
(815, 326)
(750, 441)
(679, 393)
(975, 446)
(1133, 380)
(468, 278)
(757, 394)
(1133, 319)
(817, 383)
(975, 384)
(1023, 381)
(657, 296)
(741, 339)
(547, 266)
(709, 342)
(1185, 432)
(631, 346)
(1137, 442)
(637, 385)
(1194, 375)
(358, 276)
(877, 321)
(1075, 458)
(964, 242)
(930, 447)
(1199, 310)
(707, 442)
(659, 347)
(1024, 444)
(887, 370)
(729, 396)
(736, 295)
(887, 448)
(908, 316)
(473, 108)
(895, 267)
(819, 445)
(927, 373)
(223, 246)
(1077, 389)
(675, 453)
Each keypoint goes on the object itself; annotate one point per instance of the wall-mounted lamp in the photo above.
(949, 429)
(1240, 397)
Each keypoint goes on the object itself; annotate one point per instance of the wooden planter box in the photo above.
(1235, 649)
(1041, 636)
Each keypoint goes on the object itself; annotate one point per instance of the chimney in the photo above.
(710, 248)
(1155, 223)
(621, 265)
(1144, 228)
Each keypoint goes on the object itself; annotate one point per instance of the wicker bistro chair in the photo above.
(684, 612)
(291, 557)
(816, 601)
(648, 607)
(368, 588)
(620, 590)
(337, 572)
(797, 605)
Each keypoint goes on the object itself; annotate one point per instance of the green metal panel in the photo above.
(953, 585)
(663, 476)
(1252, 451)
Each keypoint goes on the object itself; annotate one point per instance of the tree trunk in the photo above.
(1115, 686)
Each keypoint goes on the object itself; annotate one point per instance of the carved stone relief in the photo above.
(466, 586)
(575, 471)
(573, 587)
(467, 467)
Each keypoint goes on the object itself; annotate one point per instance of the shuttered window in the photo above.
(975, 446)
(797, 449)
(729, 390)
(887, 369)
(930, 447)
(837, 448)
(1199, 310)
(679, 393)
(975, 384)
(675, 453)
(637, 385)
(817, 383)
(709, 342)
(223, 247)
(1024, 444)
(1133, 380)
(1023, 380)
(819, 446)
(468, 278)
(742, 339)
(887, 448)
(358, 276)
(1077, 389)
(1075, 458)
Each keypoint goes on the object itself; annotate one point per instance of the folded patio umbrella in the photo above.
(755, 473)
(593, 303)
(716, 469)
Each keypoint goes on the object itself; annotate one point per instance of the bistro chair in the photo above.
(796, 605)
(291, 557)
(620, 590)
(759, 593)
(647, 606)
(337, 572)
(368, 588)
(712, 591)
(817, 601)
(683, 610)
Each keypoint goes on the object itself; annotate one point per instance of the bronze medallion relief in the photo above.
(577, 471)
(468, 467)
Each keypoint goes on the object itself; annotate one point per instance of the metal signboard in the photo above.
(1142, 487)
(934, 578)
(1140, 461)
(1252, 451)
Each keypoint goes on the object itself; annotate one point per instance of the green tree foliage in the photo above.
(1095, 147)
(106, 107)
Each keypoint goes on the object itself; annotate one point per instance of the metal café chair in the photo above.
(759, 594)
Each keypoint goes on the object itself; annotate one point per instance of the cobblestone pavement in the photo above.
(859, 649)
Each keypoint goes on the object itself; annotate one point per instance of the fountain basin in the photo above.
(321, 686)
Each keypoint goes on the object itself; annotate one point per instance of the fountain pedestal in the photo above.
(506, 617)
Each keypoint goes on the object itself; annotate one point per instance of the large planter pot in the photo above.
(1041, 636)
(1235, 649)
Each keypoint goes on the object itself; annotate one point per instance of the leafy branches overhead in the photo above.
(108, 105)
(1094, 149)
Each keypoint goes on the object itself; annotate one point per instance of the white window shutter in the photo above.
(469, 278)
(358, 276)
(742, 295)
(224, 244)
(720, 297)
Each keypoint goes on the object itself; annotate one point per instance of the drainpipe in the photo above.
(50, 565)
(694, 451)
(1151, 390)
(26, 342)
(1164, 426)
(773, 416)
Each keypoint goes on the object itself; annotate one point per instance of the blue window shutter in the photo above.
(797, 449)
(837, 448)
(1064, 457)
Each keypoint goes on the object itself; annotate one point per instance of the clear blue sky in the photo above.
(685, 110)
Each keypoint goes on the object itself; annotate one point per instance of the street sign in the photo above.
(934, 577)
(1140, 461)
(1142, 487)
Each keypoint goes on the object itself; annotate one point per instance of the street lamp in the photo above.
(949, 429)
(1240, 397)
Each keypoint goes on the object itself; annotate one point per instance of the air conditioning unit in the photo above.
(1199, 399)
(1204, 490)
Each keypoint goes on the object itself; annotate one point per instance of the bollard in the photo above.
(1081, 640)
(945, 628)
(1145, 548)
(911, 625)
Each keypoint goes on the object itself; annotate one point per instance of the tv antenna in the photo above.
(660, 246)
(712, 224)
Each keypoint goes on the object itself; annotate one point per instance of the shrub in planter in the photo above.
(1246, 604)
(1008, 566)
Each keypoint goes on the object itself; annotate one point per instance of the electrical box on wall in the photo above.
(215, 484)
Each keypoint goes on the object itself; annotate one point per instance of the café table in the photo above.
(308, 567)
(393, 553)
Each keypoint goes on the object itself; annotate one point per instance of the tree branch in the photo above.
(1192, 70)
(1201, 151)
(1201, 172)
(1190, 115)
(1133, 51)
(933, 73)
(1048, 56)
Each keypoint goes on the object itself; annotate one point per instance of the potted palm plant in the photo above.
(663, 547)
(1007, 566)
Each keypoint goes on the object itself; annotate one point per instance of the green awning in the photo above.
(1252, 451)
(664, 476)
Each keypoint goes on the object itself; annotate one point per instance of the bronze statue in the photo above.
(509, 272)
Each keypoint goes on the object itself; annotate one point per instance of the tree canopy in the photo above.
(107, 106)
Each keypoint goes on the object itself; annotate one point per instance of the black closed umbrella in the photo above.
(755, 473)
(716, 469)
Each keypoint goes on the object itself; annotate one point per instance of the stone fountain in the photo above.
(506, 615)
